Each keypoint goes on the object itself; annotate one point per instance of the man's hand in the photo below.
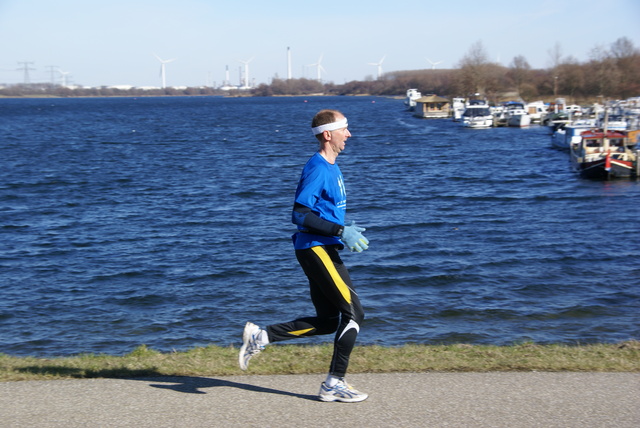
(353, 238)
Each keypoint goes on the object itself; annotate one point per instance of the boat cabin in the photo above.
(432, 106)
(594, 141)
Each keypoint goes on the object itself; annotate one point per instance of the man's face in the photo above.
(339, 138)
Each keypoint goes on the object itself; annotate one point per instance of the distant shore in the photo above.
(194, 95)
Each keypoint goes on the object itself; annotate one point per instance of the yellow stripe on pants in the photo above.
(301, 332)
(337, 279)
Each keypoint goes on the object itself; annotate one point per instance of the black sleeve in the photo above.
(303, 216)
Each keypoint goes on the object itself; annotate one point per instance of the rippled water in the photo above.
(166, 221)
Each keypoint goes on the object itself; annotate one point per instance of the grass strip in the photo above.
(296, 359)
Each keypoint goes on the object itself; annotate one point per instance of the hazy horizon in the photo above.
(105, 43)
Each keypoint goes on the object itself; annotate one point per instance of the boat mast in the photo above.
(605, 141)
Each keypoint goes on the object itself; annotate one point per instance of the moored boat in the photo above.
(606, 155)
(517, 115)
(499, 115)
(410, 100)
(556, 115)
(554, 121)
(571, 133)
(620, 115)
(432, 107)
(537, 110)
(615, 122)
(458, 106)
(477, 115)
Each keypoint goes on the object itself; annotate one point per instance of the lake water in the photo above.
(166, 222)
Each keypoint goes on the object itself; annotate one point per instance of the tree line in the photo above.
(610, 72)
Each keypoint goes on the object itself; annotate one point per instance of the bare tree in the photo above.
(572, 76)
(602, 72)
(627, 61)
(474, 70)
(519, 72)
(555, 55)
(623, 48)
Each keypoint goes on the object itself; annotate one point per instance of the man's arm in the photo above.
(304, 217)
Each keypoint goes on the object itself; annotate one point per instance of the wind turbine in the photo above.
(320, 69)
(63, 77)
(162, 71)
(433, 64)
(379, 65)
(246, 72)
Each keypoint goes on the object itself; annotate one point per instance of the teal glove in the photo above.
(353, 238)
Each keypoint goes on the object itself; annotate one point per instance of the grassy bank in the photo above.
(292, 359)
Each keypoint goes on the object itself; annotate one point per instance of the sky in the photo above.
(114, 42)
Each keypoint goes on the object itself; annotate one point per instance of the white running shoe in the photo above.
(250, 346)
(341, 392)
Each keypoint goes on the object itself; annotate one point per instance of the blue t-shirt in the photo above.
(321, 188)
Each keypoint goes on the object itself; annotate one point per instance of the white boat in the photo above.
(566, 135)
(412, 96)
(458, 105)
(517, 115)
(573, 110)
(499, 115)
(621, 115)
(631, 106)
(477, 115)
(615, 123)
(537, 110)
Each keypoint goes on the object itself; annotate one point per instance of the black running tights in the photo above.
(338, 308)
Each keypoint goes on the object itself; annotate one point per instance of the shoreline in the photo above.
(309, 359)
(33, 96)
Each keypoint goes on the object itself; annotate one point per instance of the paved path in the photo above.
(511, 400)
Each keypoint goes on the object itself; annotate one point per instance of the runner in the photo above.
(319, 212)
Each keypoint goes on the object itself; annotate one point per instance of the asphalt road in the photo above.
(399, 400)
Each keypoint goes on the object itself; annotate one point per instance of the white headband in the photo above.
(330, 126)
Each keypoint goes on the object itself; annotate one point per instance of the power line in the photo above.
(52, 70)
(25, 68)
